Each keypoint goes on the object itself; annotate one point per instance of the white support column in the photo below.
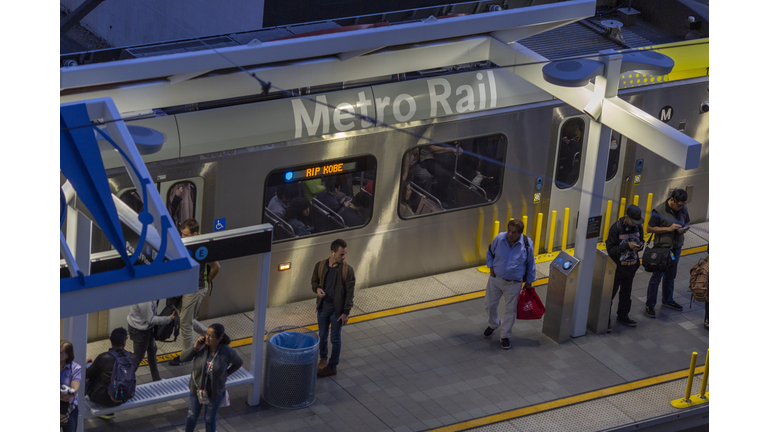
(75, 329)
(596, 163)
(259, 324)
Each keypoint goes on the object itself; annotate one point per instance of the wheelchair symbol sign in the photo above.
(220, 224)
(201, 253)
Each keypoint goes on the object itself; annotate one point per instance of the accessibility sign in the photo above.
(220, 224)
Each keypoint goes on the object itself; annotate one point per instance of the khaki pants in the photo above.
(190, 305)
(493, 291)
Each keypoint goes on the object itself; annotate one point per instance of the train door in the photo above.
(567, 179)
(182, 198)
(614, 176)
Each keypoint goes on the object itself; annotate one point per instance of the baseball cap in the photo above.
(634, 214)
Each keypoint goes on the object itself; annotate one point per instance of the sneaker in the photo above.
(609, 328)
(505, 344)
(673, 305)
(326, 372)
(650, 312)
(627, 321)
(323, 363)
(488, 332)
(107, 416)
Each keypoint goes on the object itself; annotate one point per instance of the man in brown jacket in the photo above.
(334, 282)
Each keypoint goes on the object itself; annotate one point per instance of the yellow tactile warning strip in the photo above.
(402, 309)
(584, 397)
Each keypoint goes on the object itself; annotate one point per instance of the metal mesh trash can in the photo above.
(290, 371)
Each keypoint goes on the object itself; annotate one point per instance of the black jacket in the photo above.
(225, 364)
(617, 245)
(99, 375)
(343, 292)
(664, 216)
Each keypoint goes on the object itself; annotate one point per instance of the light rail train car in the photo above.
(466, 148)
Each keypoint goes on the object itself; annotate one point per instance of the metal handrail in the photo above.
(471, 186)
(328, 211)
(277, 220)
(426, 194)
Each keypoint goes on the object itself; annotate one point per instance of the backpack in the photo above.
(320, 272)
(699, 284)
(122, 385)
(163, 332)
(527, 250)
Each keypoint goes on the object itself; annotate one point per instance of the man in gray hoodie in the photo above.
(142, 319)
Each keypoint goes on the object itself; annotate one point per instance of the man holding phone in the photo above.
(669, 223)
(625, 240)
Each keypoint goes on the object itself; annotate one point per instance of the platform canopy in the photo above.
(141, 84)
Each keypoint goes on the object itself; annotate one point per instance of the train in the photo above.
(458, 149)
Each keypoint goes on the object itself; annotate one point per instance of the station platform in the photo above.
(414, 359)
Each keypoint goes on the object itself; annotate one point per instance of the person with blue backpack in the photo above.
(103, 384)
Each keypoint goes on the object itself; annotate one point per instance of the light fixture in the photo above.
(148, 141)
(284, 267)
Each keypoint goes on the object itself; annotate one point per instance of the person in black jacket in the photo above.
(99, 375)
(625, 240)
(213, 360)
(334, 283)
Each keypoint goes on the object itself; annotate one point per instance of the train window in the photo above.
(437, 178)
(613, 157)
(181, 201)
(569, 153)
(319, 198)
(134, 201)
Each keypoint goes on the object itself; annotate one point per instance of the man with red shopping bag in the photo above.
(511, 260)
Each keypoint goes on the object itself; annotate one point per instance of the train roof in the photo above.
(555, 30)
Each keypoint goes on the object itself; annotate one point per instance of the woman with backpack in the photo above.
(213, 361)
(69, 381)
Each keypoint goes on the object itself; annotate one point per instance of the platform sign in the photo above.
(220, 224)
(593, 226)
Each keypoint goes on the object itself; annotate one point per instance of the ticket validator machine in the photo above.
(561, 293)
(602, 291)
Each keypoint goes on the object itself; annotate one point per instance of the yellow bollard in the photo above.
(703, 396)
(622, 207)
(494, 233)
(525, 225)
(647, 212)
(551, 239)
(686, 401)
(536, 242)
(565, 229)
(636, 199)
(607, 220)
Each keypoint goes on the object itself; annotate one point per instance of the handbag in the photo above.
(529, 305)
(657, 258)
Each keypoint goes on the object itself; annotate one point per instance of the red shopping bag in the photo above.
(529, 305)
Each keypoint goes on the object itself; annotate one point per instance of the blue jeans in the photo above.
(324, 319)
(71, 426)
(210, 413)
(667, 286)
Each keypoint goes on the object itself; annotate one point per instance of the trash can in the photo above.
(290, 371)
(602, 290)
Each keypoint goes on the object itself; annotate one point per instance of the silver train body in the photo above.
(231, 184)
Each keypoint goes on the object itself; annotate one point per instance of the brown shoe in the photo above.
(323, 363)
(326, 372)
